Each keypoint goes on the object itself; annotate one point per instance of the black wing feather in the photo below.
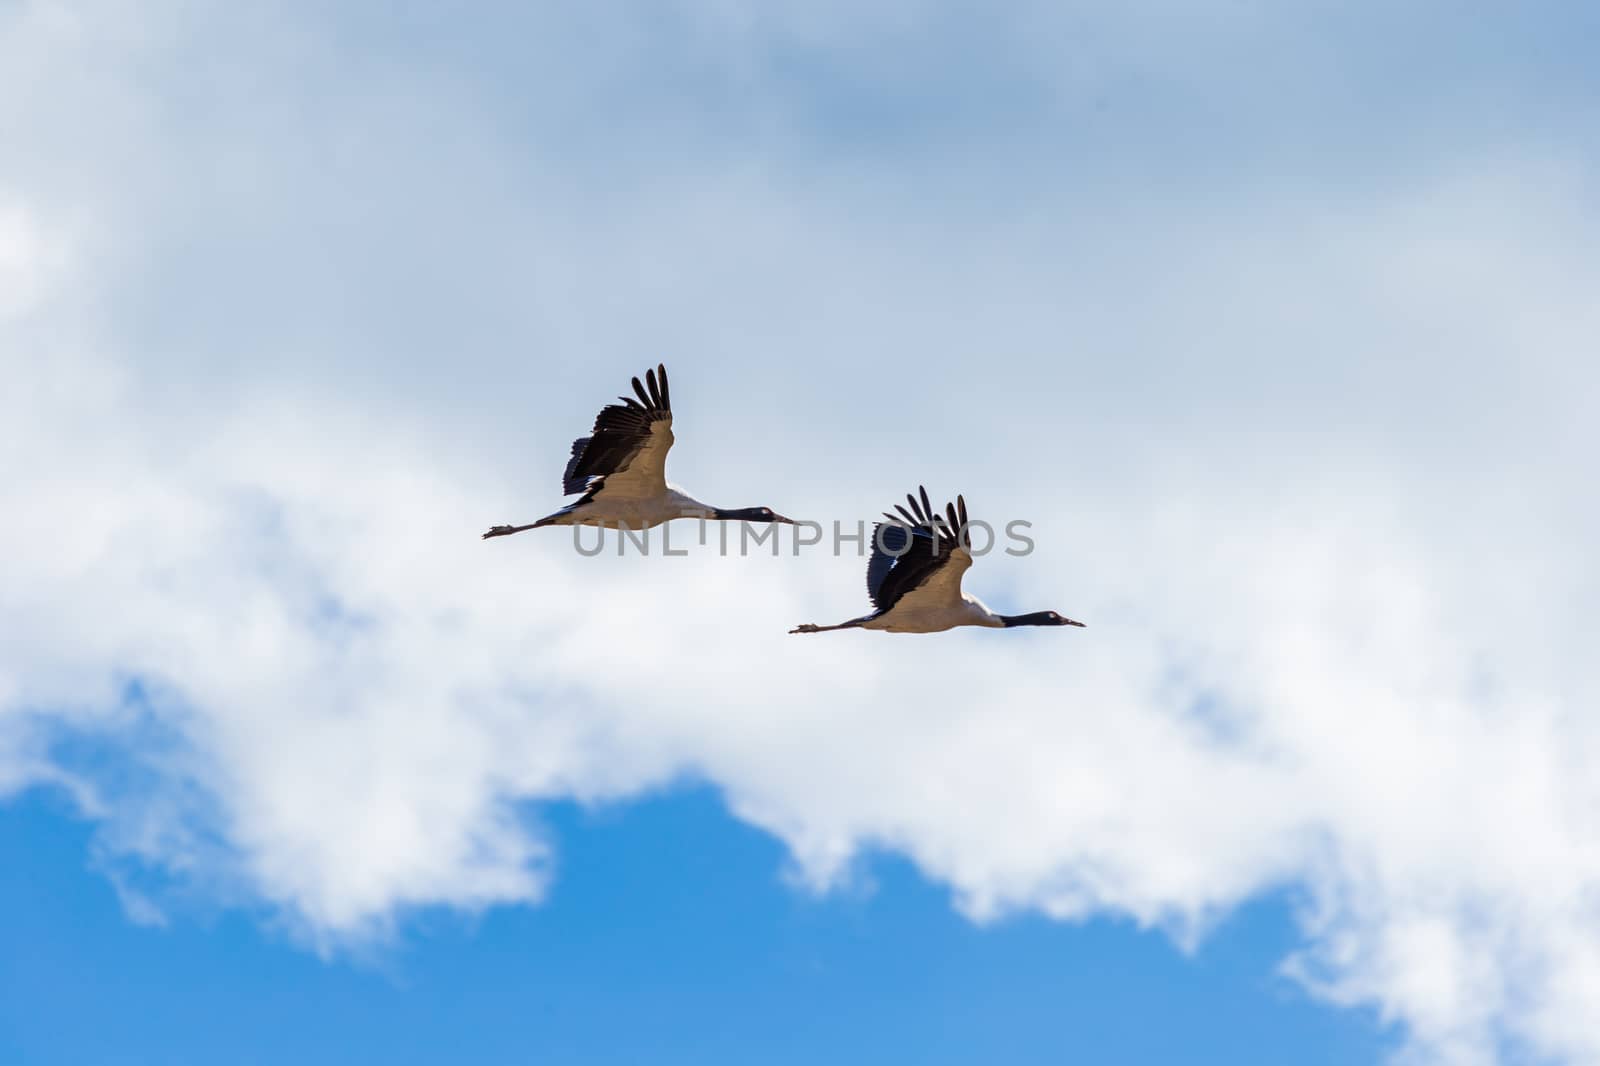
(620, 430)
(889, 541)
(571, 483)
(894, 568)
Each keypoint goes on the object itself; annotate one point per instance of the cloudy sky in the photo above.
(1277, 321)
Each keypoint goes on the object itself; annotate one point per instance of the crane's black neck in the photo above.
(1037, 618)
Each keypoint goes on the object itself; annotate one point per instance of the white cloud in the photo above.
(1311, 459)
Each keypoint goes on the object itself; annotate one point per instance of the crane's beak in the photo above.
(785, 521)
(1075, 622)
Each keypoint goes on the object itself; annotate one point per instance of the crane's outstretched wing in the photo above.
(918, 558)
(626, 452)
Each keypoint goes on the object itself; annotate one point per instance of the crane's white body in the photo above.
(937, 604)
(969, 612)
(614, 509)
(637, 496)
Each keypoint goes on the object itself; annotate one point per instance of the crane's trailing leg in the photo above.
(811, 627)
(506, 531)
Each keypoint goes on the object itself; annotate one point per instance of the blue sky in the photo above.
(669, 937)
(1276, 321)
